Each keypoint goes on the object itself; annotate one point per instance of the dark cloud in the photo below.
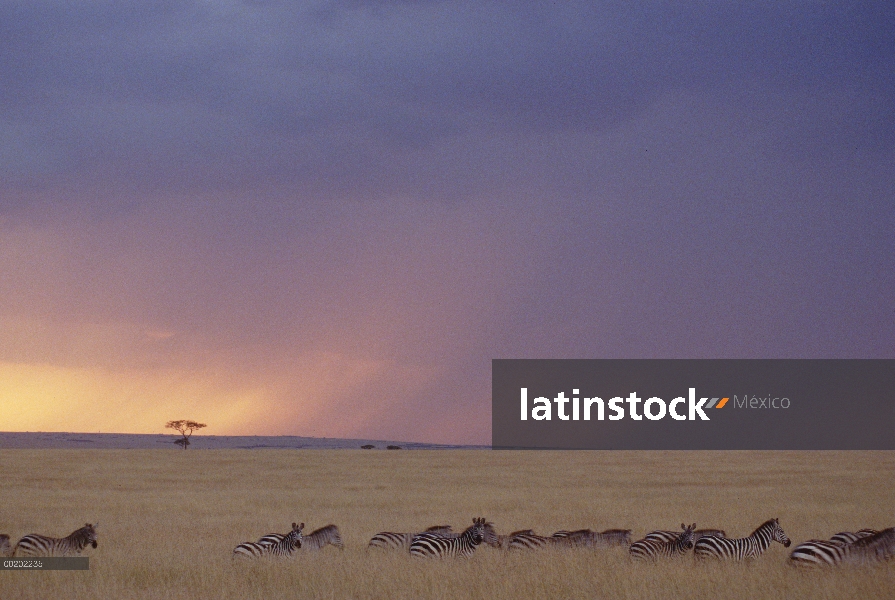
(315, 93)
(404, 190)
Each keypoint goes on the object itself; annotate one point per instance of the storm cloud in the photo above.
(327, 218)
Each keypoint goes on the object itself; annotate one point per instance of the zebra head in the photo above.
(294, 537)
(90, 534)
(478, 531)
(686, 538)
(778, 535)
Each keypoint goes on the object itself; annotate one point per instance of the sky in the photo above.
(327, 218)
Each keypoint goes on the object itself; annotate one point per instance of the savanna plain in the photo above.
(168, 520)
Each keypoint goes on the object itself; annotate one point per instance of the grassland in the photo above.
(168, 520)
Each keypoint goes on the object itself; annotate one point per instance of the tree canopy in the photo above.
(186, 429)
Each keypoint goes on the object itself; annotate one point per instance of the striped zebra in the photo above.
(388, 540)
(750, 547)
(316, 540)
(284, 548)
(436, 545)
(847, 537)
(585, 538)
(872, 549)
(501, 542)
(529, 540)
(668, 536)
(5, 548)
(645, 549)
(41, 545)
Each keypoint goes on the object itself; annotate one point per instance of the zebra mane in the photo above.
(766, 525)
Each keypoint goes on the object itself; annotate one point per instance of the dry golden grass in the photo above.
(168, 521)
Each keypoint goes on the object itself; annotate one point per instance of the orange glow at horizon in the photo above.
(319, 398)
(123, 324)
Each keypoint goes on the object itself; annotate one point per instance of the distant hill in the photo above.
(61, 440)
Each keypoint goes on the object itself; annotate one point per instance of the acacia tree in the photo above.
(186, 429)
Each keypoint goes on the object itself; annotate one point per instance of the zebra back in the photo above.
(388, 540)
(591, 539)
(652, 549)
(324, 536)
(870, 549)
(848, 537)
(314, 541)
(562, 533)
(40, 545)
(251, 549)
(439, 529)
(270, 538)
(667, 536)
(753, 546)
(875, 548)
(528, 540)
(620, 537)
(502, 542)
(275, 544)
(817, 553)
(434, 545)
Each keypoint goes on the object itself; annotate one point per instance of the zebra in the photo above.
(284, 548)
(316, 540)
(668, 536)
(875, 548)
(501, 542)
(434, 545)
(41, 545)
(653, 549)
(387, 540)
(750, 547)
(5, 548)
(620, 537)
(847, 537)
(592, 539)
(529, 540)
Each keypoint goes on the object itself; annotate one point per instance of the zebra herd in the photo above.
(866, 546)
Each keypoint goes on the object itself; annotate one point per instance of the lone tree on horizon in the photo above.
(186, 429)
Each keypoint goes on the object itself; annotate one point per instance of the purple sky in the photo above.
(327, 218)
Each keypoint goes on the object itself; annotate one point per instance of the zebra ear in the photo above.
(683, 526)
